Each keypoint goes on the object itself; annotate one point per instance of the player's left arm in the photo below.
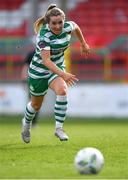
(84, 45)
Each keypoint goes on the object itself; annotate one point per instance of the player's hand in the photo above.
(85, 49)
(69, 78)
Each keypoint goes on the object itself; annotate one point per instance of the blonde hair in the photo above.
(51, 11)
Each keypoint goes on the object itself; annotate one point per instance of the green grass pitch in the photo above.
(47, 157)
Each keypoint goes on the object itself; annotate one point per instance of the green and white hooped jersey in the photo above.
(57, 44)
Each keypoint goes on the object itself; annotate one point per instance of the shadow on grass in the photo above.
(27, 146)
(16, 119)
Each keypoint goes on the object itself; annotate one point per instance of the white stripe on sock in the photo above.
(59, 124)
(61, 98)
(30, 108)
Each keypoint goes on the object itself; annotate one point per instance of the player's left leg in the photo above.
(60, 88)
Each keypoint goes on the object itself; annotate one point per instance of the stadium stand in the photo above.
(14, 35)
(104, 24)
(12, 21)
(99, 18)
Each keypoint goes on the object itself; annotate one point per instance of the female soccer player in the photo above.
(47, 69)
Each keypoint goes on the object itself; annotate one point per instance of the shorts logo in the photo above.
(31, 87)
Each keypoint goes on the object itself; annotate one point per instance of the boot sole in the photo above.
(25, 139)
(60, 138)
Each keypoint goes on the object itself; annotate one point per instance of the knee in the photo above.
(36, 106)
(62, 90)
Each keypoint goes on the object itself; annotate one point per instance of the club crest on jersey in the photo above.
(42, 44)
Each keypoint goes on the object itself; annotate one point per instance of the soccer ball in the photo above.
(89, 161)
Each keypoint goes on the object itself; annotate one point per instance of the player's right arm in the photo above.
(68, 77)
(24, 72)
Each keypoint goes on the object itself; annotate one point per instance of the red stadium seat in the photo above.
(101, 17)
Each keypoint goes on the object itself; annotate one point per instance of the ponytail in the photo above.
(42, 20)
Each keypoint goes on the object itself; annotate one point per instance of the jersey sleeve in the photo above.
(71, 26)
(42, 43)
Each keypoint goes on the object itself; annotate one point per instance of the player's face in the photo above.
(56, 24)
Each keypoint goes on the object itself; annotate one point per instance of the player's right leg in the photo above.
(26, 122)
(31, 109)
(35, 120)
(38, 88)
